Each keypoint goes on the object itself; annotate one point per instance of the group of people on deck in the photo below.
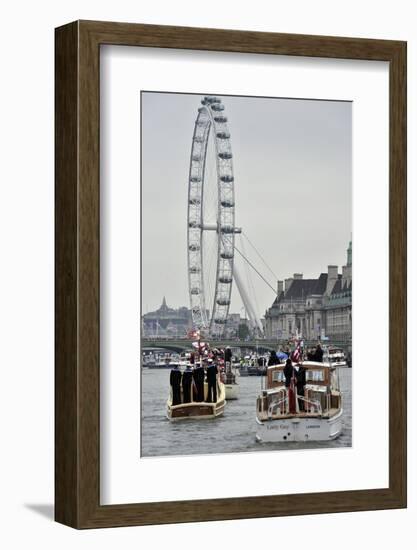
(202, 366)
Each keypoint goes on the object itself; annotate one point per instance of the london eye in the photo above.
(211, 218)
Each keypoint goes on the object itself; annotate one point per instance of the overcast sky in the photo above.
(292, 167)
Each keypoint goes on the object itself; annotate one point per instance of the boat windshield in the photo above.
(278, 376)
(316, 375)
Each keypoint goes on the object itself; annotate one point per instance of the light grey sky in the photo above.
(292, 166)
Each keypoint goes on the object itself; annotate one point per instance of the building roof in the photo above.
(341, 287)
(301, 288)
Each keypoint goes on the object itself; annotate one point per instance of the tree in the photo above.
(243, 331)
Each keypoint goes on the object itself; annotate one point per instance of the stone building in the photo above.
(313, 308)
(167, 322)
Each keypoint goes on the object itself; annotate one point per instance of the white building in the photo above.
(313, 308)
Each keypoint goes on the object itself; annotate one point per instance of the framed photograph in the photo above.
(230, 274)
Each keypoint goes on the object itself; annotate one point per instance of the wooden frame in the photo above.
(77, 372)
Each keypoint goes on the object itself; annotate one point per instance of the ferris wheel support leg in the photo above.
(255, 322)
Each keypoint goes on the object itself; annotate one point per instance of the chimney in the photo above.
(331, 278)
(288, 283)
(298, 275)
(280, 287)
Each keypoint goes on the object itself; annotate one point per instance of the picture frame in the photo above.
(77, 274)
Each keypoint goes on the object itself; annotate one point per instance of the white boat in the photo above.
(336, 357)
(231, 383)
(316, 416)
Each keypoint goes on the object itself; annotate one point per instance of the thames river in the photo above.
(234, 432)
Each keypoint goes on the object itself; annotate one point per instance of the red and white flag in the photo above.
(296, 354)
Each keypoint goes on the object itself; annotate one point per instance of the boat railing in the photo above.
(313, 403)
(276, 404)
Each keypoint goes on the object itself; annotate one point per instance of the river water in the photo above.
(233, 432)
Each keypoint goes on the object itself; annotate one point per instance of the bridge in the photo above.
(182, 344)
(262, 345)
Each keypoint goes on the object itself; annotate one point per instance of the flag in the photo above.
(291, 395)
(296, 354)
(200, 346)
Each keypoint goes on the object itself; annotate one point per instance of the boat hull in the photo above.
(299, 429)
(195, 411)
(232, 391)
(198, 410)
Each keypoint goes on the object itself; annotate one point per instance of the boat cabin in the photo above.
(320, 396)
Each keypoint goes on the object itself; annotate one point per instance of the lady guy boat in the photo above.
(300, 403)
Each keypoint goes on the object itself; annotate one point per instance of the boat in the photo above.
(231, 383)
(197, 410)
(253, 366)
(336, 357)
(282, 415)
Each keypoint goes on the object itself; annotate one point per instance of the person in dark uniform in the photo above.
(211, 382)
(288, 372)
(198, 375)
(187, 378)
(319, 354)
(175, 381)
(300, 375)
(273, 359)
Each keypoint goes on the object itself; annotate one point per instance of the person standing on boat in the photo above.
(273, 359)
(318, 356)
(288, 372)
(187, 379)
(227, 355)
(290, 384)
(300, 375)
(211, 382)
(175, 381)
(198, 375)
